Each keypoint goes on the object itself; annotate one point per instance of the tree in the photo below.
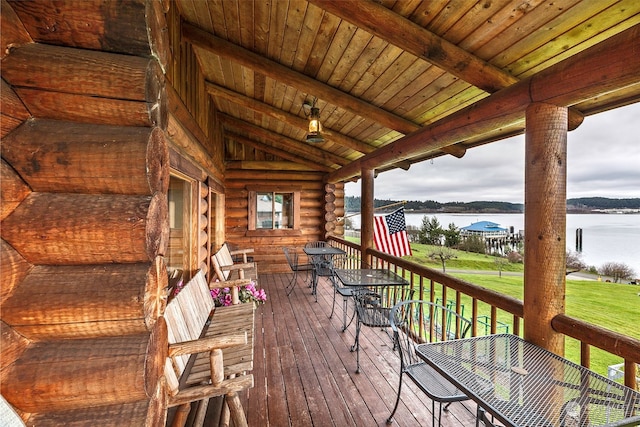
(443, 254)
(451, 236)
(430, 231)
(501, 263)
(574, 262)
(474, 244)
(617, 270)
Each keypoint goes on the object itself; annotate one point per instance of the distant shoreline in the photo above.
(489, 212)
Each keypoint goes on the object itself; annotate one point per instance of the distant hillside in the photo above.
(352, 204)
(585, 204)
(591, 203)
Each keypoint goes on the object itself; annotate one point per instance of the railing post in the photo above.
(366, 216)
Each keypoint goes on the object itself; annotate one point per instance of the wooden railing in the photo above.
(495, 311)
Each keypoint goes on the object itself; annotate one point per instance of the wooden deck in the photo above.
(305, 374)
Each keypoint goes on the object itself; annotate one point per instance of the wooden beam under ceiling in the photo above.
(283, 143)
(410, 37)
(290, 119)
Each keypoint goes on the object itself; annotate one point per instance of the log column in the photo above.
(545, 223)
(366, 216)
(329, 210)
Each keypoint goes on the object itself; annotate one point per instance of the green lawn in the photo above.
(462, 261)
(610, 305)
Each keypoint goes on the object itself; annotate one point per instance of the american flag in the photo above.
(390, 233)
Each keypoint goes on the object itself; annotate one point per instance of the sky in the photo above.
(603, 160)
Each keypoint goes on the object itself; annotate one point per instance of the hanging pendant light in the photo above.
(315, 126)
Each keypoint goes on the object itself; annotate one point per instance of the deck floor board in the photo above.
(304, 371)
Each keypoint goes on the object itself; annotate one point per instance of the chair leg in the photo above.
(333, 305)
(292, 282)
(395, 407)
(356, 347)
(345, 309)
(201, 413)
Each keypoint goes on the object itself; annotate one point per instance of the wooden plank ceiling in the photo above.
(381, 70)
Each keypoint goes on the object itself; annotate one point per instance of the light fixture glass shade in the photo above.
(315, 127)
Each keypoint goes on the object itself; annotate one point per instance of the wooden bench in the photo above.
(226, 270)
(210, 351)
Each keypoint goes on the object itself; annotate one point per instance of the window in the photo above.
(274, 210)
(180, 253)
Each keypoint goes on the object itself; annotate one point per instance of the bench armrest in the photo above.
(229, 283)
(241, 251)
(242, 266)
(207, 344)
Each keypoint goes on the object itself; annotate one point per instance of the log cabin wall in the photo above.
(195, 136)
(317, 199)
(85, 171)
(196, 131)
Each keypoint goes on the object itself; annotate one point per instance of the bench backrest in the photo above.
(224, 258)
(186, 316)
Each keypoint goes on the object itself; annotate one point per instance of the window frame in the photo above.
(252, 210)
(189, 215)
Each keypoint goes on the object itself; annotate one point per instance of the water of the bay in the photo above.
(605, 237)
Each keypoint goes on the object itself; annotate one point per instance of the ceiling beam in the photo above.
(291, 77)
(604, 67)
(279, 72)
(283, 143)
(288, 118)
(409, 36)
(267, 147)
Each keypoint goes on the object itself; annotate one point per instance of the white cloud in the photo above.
(603, 160)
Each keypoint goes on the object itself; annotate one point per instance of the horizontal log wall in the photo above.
(269, 257)
(88, 86)
(82, 373)
(63, 157)
(63, 228)
(85, 174)
(86, 301)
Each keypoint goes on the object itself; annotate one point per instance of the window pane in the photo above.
(264, 209)
(180, 224)
(285, 215)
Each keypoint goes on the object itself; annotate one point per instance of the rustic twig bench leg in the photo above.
(236, 411)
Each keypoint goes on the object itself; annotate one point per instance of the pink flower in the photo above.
(248, 293)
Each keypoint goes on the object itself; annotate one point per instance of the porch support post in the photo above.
(366, 214)
(545, 223)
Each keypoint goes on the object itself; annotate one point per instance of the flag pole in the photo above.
(404, 202)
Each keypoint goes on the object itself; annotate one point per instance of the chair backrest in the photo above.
(316, 244)
(186, 315)
(418, 321)
(292, 257)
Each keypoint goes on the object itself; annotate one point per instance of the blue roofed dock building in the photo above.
(497, 239)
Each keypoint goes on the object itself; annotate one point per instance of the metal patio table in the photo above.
(372, 308)
(321, 260)
(532, 386)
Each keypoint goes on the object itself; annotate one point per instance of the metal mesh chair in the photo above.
(342, 261)
(417, 321)
(373, 309)
(321, 265)
(293, 259)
